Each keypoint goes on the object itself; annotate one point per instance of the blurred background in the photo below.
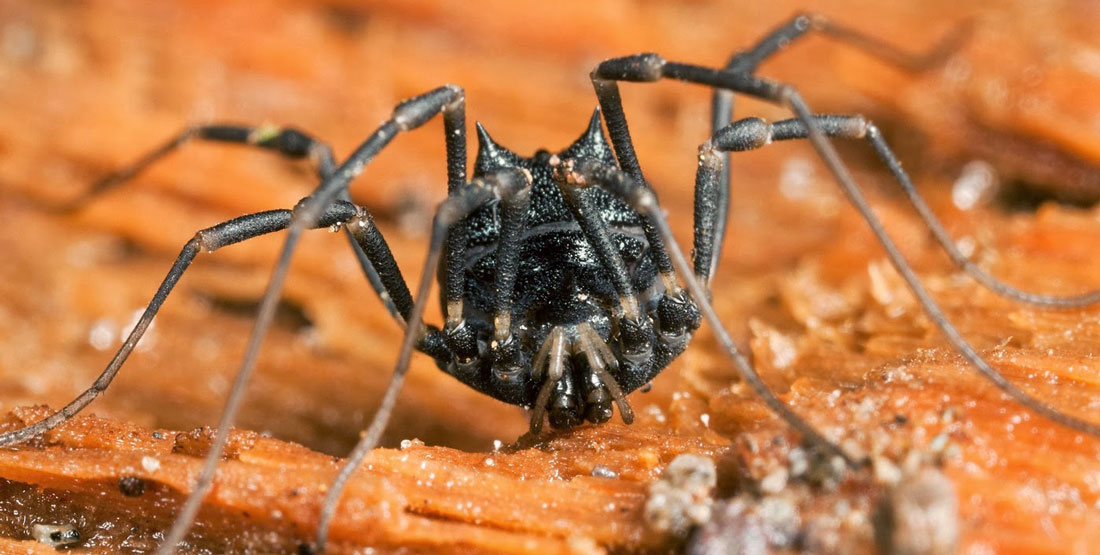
(86, 87)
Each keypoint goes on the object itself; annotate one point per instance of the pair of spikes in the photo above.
(492, 156)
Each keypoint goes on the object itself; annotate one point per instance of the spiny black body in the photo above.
(561, 282)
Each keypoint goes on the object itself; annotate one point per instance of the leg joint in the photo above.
(708, 156)
(639, 68)
(416, 111)
(742, 135)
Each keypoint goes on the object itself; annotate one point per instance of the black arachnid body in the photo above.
(562, 286)
(567, 315)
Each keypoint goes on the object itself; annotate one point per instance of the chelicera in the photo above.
(562, 287)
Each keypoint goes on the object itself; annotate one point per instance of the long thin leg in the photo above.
(779, 39)
(611, 107)
(454, 264)
(206, 240)
(506, 183)
(288, 142)
(711, 205)
(800, 25)
(408, 115)
(644, 201)
(651, 67)
(753, 133)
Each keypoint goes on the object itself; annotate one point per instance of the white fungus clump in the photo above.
(681, 499)
(919, 516)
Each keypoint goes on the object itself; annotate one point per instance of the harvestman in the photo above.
(517, 336)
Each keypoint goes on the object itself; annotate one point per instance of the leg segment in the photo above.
(777, 40)
(460, 204)
(579, 199)
(513, 220)
(711, 209)
(287, 142)
(410, 114)
(454, 126)
(754, 133)
(611, 106)
(800, 25)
